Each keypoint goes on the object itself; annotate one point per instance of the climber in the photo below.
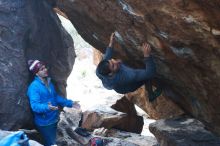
(45, 102)
(123, 79)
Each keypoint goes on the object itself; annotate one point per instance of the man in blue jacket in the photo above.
(123, 79)
(45, 102)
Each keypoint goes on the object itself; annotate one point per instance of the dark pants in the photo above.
(48, 133)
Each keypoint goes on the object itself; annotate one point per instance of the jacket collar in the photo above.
(39, 80)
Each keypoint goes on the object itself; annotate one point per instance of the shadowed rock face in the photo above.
(185, 36)
(163, 107)
(183, 131)
(131, 122)
(29, 29)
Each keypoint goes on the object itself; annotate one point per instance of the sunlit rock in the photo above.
(162, 107)
(101, 116)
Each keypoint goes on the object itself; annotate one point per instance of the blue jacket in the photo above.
(40, 96)
(127, 79)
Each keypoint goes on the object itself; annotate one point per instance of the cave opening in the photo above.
(84, 86)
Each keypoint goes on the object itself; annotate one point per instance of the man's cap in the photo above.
(35, 65)
(103, 67)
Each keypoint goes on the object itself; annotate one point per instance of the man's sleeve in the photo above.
(36, 105)
(150, 67)
(63, 101)
(137, 75)
(108, 53)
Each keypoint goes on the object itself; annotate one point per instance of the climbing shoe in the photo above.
(152, 95)
(82, 131)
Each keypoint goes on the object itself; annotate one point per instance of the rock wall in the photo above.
(183, 131)
(185, 36)
(161, 108)
(29, 29)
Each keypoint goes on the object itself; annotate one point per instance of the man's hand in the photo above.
(146, 49)
(112, 39)
(76, 105)
(51, 107)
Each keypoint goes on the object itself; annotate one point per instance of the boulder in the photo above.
(131, 122)
(69, 121)
(183, 131)
(100, 116)
(134, 138)
(161, 107)
(29, 29)
(185, 40)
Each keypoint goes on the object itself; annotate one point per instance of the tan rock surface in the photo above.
(101, 117)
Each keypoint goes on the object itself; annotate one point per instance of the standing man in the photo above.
(45, 102)
(123, 79)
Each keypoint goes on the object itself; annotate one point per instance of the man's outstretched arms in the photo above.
(109, 49)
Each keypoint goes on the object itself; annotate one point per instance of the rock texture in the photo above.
(101, 116)
(134, 138)
(162, 107)
(29, 29)
(69, 121)
(131, 122)
(185, 36)
(183, 131)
